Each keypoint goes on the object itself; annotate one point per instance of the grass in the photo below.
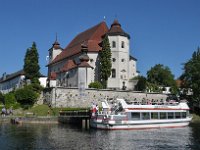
(195, 118)
(42, 110)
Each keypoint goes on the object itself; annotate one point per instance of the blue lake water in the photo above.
(65, 137)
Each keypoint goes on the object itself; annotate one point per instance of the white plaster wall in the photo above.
(93, 74)
(89, 76)
(43, 81)
(55, 52)
(82, 77)
(11, 84)
(122, 68)
(132, 69)
(52, 83)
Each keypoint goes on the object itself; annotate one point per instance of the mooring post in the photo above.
(88, 123)
(83, 123)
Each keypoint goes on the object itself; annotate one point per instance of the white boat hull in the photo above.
(125, 116)
(131, 125)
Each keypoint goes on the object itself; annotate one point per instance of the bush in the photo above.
(26, 96)
(96, 85)
(36, 87)
(2, 98)
(10, 101)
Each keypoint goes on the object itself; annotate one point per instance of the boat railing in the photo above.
(111, 113)
(153, 102)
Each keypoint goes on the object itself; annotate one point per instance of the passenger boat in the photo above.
(123, 116)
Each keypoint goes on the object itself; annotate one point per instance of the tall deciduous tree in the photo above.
(31, 64)
(161, 75)
(141, 84)
(105, 62)
(191, 75)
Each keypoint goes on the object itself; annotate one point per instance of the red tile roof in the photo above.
(68, 66)
(53, 76)
(85, 64)
(91, 37)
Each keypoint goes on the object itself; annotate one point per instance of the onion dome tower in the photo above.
(119, 43)
(116, 29)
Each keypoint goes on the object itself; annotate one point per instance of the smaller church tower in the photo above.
(83, 68)
(54, 51)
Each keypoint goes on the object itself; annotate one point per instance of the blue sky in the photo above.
(162, 31)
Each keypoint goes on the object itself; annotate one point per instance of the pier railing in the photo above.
(76, 113)
(79, 117)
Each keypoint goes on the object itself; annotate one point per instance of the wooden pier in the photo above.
(80, 118)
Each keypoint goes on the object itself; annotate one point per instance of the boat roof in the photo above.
(165, 106)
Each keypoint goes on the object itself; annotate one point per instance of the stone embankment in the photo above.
(33, 120)
(74, 97)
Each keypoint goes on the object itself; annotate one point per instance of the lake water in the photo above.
(65, 137)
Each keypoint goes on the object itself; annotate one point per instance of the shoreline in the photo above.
(55, 120)
(30, 120)
(195, 119)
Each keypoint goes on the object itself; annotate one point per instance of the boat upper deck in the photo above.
(170, 105)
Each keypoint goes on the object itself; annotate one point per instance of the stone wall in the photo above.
(73, 97)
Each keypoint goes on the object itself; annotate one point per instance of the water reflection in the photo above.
(67, 137)
(195, 137)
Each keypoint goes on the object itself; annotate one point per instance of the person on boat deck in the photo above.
(97, 109)
(93, 109)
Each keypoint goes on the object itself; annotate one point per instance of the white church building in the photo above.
(77, 65)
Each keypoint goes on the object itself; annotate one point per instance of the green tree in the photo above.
(10, 100)
(31, 64)
(191, 75)
(161, 76)
(105, 62)
(26, 96)
(2, 98)
(141, 84)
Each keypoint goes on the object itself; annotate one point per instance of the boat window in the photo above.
(177, 115)
(118, 117)
(188, 113)
(183, 114)
(163, 115)
(135, 116)
(170, 115)
(145, 116)
(154, 115)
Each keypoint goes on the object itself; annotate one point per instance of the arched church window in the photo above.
(113, 44)
(113, 73)
(122, 44)
(113, 59)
